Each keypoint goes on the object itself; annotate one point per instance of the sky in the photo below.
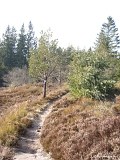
(73, 22)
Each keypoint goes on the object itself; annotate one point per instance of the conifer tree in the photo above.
(22, 48)
(108, 39)
(87, 75)
(43, 61)
(9, 47)
(2, 66)
(31, 40)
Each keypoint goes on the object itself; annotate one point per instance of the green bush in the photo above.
(90, 75)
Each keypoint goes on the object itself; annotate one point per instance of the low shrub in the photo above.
(80, 130)
(22, 110)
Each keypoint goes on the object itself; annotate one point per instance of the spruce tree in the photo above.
(9, 47)
(2, 66)
(31, 40)
(108, 39)
(22, 48)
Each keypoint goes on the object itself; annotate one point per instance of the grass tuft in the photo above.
(11, 126)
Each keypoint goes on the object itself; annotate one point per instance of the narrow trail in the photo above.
(29, 145)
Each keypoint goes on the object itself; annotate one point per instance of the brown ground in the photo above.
(32, 95)
(82, 130)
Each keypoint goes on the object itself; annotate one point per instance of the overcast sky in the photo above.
(73, 22)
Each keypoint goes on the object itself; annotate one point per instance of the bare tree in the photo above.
(17, 77)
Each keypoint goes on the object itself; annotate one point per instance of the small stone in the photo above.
(39, 127)
(38, 130)
(39, 150)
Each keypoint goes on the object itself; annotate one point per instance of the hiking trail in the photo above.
(29, 145)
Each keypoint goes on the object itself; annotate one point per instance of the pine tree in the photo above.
(43, 61)
(108, 39)
(64, 62)
(31, 40)
(22, 48)
(2, 66)
(108, 42)
(9, 47)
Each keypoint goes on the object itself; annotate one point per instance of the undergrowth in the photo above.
(82, 129)
(11, 125)
(24, 104)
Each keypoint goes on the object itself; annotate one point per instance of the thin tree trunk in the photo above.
(60, 78)
(44, 88)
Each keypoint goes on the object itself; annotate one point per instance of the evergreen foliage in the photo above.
(91, 71)
(31, 40)
(108, 39)
(15, 48)
(62, 69)
(22, 48)
(2, 66)
(9, 47)
(43, 61)
(89, 75)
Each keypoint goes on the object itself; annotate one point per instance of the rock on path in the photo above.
(29, 146)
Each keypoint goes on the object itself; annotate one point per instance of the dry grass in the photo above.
(11, 125)
(19, 107)
(82, 129)
(75, 129)
(12, 96)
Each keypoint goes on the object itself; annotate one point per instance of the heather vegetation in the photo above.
(82, 129)
(19, 109)
(85, 123)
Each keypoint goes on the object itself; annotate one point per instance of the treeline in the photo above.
(91, 73)
(15, 48)
(21, 54)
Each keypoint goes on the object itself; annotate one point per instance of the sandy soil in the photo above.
(29, 146)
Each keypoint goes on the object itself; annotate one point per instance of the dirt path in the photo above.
(29, 145)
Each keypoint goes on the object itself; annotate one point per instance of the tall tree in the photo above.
(108, 41)
(108, 38)
(31, 40)
(65, 56)
(22, 48)
(2, 66)
(102, 43)
(9, 47)
(43, 61)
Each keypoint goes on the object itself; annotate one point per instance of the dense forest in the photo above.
(92, 73)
